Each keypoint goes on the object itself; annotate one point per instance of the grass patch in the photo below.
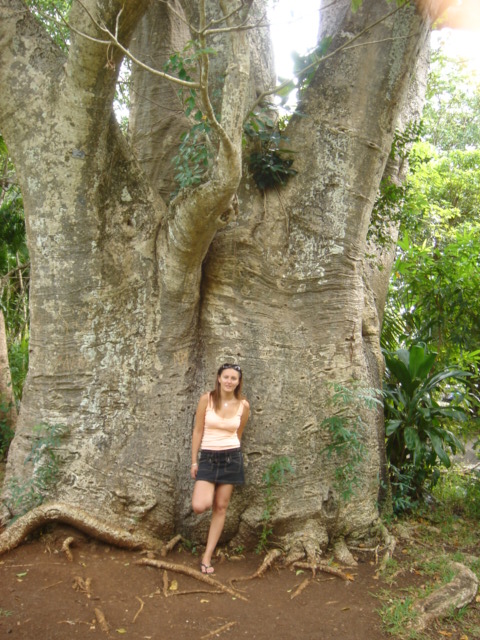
(397, 615)
(459, 493)
(429, 540)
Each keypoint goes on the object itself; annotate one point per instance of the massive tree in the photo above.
(137, 296)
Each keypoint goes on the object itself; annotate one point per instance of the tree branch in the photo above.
(114, 39)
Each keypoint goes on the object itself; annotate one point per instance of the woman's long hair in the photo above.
(215, 394)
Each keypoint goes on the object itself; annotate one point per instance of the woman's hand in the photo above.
(193, 470)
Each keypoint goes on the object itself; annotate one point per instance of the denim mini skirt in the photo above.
(221, 467)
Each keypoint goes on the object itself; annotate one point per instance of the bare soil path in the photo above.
(44, 595)
(103, 593)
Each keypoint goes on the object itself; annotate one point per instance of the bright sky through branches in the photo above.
(294, 27)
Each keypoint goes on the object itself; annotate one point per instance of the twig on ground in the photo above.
(325, 568)
(219, 630)
(101, 620)
(52, 585)
(188, 571)
(191, 591)
(142, 604)
(300, 588)
(67, 543)
(267, 562)
(79, 584)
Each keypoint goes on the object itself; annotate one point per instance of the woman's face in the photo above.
(229, 380)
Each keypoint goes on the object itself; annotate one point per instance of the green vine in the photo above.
(347, 435)
(195, 151)
(273, 477)
(27, 494)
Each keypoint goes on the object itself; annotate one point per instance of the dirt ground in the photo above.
(44, 595)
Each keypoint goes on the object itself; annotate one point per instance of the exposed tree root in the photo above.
(76, 517)
(267, 562)
(390, 543)
(188, 571)
(324, 568)
(343, 554)
(456, 594)
(66, 548)
(170, 545)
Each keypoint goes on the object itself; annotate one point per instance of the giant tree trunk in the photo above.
(135, 301)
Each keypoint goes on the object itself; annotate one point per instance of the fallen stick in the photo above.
(52, 585)
(165, 584)
(300, 588)
(101, 620)
(142, 604)
(267, 562)
(219, 630)
(79, 584)
(187, 593)
(188, 571)
(325, 568)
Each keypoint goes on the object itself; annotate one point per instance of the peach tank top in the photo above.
(221, 433)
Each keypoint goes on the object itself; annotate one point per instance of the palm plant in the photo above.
(416, 420)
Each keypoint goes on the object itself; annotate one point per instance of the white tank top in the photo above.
(221, 433)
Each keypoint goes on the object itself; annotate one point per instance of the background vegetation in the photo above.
(431, 332)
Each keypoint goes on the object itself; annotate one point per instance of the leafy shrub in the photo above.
(347, 434)
(418, 440)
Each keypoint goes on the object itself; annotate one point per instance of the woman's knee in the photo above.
(200, 506)
(220, 506)
(201, 503)
(203, 496)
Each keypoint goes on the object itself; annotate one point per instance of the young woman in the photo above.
(220, 419)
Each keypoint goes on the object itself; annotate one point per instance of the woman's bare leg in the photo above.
(203, 496)
(221, 501)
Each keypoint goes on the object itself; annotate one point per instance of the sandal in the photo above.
(207, 568)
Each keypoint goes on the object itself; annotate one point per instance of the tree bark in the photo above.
(136, 300)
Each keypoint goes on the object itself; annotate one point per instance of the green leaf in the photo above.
(391, 426)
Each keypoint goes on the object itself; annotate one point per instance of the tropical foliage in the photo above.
(14, 270)
(418, 414)
(430, 401)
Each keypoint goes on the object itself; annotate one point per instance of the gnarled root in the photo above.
(188, 571)
(343, 554)
(390, 544)
(456, 594)
(269, 559)
(76, 517)
(67, 543)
